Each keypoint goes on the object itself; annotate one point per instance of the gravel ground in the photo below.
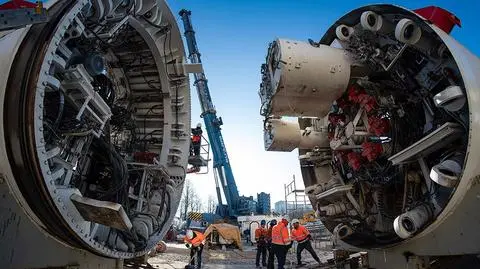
(177, 256)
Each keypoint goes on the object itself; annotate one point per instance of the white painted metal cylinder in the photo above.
(371, 21)
(344, 32)
(412, 221)
(286, 136)
(407, 32)
(306, 79)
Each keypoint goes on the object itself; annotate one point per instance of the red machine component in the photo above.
(378, 126)
(371, 151)
(355, 93)
(335, 118)
(368, 102)
(359, 96)
(440, 17)
(342, 102)
(146, 157)
(354, 160)
(15, 4)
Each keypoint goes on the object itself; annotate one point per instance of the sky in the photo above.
(233, 37)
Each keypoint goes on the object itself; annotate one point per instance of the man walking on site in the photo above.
(303, 237)
(281, 242)
(195, 241)
(260, 238)
(271, 255)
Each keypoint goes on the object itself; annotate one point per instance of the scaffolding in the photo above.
(297, 207)
(300, 208)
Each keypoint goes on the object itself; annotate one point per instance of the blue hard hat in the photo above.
(262, 222)
(273, 222)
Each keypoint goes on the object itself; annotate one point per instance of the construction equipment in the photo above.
(235, 205)
(94, 133)
(387, 132)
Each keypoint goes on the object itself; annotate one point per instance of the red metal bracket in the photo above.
(16, 4)
(442, 18)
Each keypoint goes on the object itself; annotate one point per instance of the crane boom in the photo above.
(221, 164)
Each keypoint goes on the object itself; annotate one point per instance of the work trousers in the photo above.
(198, 259)
(196, 148)
(308, 246)
(271, 257)
(281, 254)
(261, 250)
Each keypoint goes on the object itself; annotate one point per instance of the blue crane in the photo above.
(236, 205)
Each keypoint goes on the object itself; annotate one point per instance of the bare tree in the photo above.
(186, 201)
(211, 204)
(197, 204)
(190, 201)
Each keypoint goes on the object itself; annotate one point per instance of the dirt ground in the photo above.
(177, 256)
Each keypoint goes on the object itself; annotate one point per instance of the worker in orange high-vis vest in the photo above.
(196, 140)
(261, 239)
(281, 242)
(271, 255)
(303, 237)
(195, 241)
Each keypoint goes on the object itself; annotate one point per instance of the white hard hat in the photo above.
(189, 234)
(199, 125)
(295, 221)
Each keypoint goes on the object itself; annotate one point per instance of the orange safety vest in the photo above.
(300, 234)
(196, 138)
(196, 240)
(280, 235)
(261, 232)
(269, 234)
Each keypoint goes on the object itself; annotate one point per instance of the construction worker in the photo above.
(260, 238)
(303, 237)
(271, 255)
(281, 242)
(194, 241)
(197, 139)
